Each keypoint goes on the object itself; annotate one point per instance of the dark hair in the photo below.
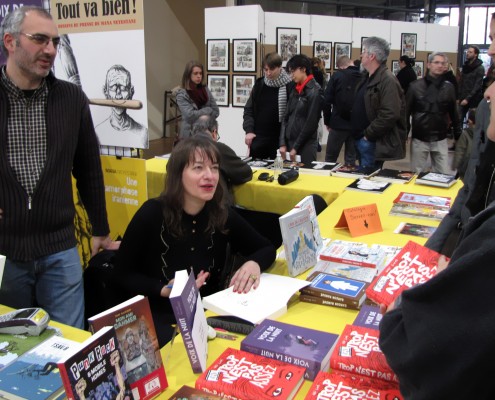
(409, 61)
(205, 124)
(186, 76)
(472, 115)
(172, 198)
(299, 61)
(272, 60)
(475, 48)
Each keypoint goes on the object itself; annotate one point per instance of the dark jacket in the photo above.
(72, 149)
(471, 84)
(432, 104)
(300, 123)
(459, 214)
(190, 111)
(386, 111)
(440, 338)
(340, 84)
(406, 76)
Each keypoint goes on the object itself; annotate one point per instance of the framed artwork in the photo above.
(219, 87)
(288, 43)
(244, 55)
(395, 67)
(419, 68)
(241, 89)
(362, 40)
(408, 44)
(341, 49)
(323, 50)
(217, 54)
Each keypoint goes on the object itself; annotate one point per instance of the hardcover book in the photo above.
(242, 375)
(352, 253)
(96, 370)
(35, 375)
(357, 352)
(339, 386)
(368, 186)
(306, 298)
(269, 300)
(369, 316)
(336, 288)
(138, 342)
(413, 265)
(190, 393)
(393, 176)
(191, 319)
(305, 347)
(347, 171)
(436, 179)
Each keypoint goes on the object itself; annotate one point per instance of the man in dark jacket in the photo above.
(471, 84)
(339, 92)
(299, 132)
(432, 104)
(406, 75)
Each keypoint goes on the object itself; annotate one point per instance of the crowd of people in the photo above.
(437, 336)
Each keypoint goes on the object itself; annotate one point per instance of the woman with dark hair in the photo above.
(188, 227)
(406, 75)
(194, 98)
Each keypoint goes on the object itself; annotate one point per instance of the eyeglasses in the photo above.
(41, 39)
(439, 62)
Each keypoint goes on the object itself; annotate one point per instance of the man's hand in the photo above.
(249, 138)
(283, 151)
(463, 102)
(104, 243)
(293, 154)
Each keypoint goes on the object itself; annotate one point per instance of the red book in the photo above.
(357, 352)
(413, 265)
(240, 375)
(329, 386)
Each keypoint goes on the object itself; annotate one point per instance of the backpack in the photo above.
(346, 92)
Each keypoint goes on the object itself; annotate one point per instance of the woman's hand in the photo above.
(201, 279)
(246, 278)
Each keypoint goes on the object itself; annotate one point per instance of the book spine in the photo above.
(66, 382)
(345, 261)
(325, 302)
(326, 295)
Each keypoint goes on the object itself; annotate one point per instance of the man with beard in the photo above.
(47, 136)
(471, 85)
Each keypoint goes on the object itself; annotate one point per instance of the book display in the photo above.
(393, 176)
(96, 369)
(292, 344)
(240, 375)
(137, 338)
(435, 179)
(420, 206)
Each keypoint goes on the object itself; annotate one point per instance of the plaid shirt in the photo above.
(26, 145)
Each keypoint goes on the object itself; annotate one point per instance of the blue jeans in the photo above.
(52, 282)
(366, 151)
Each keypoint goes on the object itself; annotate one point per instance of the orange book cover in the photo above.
(238, 374)
(413, 265)
(361, 220)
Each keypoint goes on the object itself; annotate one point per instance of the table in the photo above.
(259, 195)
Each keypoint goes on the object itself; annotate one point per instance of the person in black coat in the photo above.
(406, 75)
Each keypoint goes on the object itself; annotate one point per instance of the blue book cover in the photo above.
(35, 375)
(369, 316)
(292, 344)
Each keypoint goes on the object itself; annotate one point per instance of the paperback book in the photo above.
(238, 375)
(363, 274)
(415, 264)
(306, 298)
(347, 171)
(352, 253)
(393, 176)
(406, 228)
(334, 385)
(436, 179)
(35, 375)
(138, 342)
(305, 347)
(357, 352)
(190, 393)
(368, 186)
(320, 168)
(423, 211)
(96, 369)
(369, 317)
(423, 199)
(191, 320)
(336, 288)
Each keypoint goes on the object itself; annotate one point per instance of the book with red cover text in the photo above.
(293, 344)
(413, 265)
(238, 375)
(329, 386)
(357, 352)
(138, 342)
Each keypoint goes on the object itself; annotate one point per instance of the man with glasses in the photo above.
(46, 136)
(431, 102)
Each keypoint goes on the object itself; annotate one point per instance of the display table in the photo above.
(259, 195)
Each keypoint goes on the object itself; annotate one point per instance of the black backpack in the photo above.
(346, 92)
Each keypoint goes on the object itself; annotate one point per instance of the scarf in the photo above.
(282, 80)
(198, 94)
(300, 86)
(470, 67)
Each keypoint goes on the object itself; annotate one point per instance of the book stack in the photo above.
(393, 176)
(420, 206)
(292, 344)
(436, 179)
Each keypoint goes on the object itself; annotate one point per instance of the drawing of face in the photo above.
(119, 86)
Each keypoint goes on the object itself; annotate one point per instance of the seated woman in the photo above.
(188, 227)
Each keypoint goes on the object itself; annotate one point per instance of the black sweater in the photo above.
(72, 149)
